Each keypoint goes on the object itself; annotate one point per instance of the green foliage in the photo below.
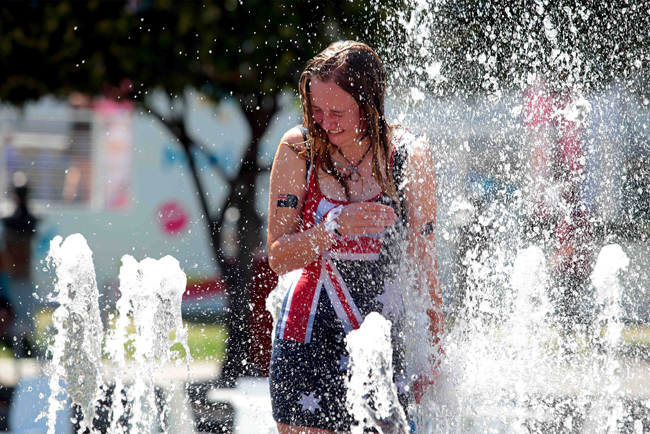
(206, 341)
(248, 49)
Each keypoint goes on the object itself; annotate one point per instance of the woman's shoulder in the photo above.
(295, 139)
(411, 148)
(406, 139)
(293, 151)
(293, 136)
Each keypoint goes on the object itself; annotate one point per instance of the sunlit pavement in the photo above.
(12, 370)
(250, 402)
(244, 409)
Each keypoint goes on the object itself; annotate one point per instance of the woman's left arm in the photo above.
(421, 203)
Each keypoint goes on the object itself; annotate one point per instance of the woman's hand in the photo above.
(362, 218)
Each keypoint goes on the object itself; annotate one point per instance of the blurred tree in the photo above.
(249, 51)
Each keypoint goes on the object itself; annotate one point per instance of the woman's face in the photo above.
(336, 112)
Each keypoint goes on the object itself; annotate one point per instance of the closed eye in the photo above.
(335, 114)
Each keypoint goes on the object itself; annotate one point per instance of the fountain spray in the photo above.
(151, 296)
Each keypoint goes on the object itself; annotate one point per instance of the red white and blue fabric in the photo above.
(301, 301)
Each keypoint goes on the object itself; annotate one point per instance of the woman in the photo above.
(348, 195)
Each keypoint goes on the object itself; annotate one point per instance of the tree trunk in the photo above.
(239, 275)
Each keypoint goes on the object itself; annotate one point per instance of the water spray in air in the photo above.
(148, 314)
(529, 131)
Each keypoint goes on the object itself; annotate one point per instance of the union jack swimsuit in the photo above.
(326, 300)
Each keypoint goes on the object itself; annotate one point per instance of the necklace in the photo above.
(351, 171)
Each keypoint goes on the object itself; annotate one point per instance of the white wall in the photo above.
(160, 176)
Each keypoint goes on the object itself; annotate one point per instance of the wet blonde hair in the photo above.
(357, 69)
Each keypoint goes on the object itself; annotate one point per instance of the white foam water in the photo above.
(608, 405)
(605, 278)
(515, 374)
(150, 305)
(151, 295)
(371, 393)
(479, 80)
(77, 348)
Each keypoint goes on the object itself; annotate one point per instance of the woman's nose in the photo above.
(329, 123)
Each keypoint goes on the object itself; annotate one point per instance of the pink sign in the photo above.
(172, 217)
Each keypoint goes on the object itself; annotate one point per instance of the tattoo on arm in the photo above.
(429, 228)
(287, 201)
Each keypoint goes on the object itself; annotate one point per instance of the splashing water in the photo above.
(509, 366)
(76, 352)
(152, 292)
(515, 375)
(372, 396)
(605, 278)
(151, 295)
(611, 261)
(531, 110)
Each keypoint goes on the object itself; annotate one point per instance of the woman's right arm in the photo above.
(288, 248)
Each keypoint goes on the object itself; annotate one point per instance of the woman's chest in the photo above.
(363, 189)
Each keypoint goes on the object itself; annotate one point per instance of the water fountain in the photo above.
(372, 396)
(151, 294)
(76, 353)
(494, 87)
